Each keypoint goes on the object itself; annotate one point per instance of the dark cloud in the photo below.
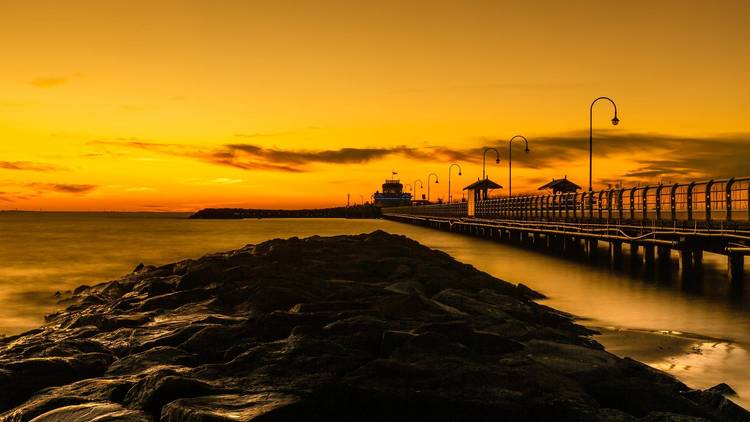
(653, 156)
(26, 165)
(253, 157)
(64, 187)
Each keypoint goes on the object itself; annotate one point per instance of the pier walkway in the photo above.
(711, 216)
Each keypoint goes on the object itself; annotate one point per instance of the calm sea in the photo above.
(43, 253)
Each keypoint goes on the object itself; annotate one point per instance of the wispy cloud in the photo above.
(78, 189)
(653, 156)
(648, 156)
(27, 165)
(254, 157)
(49, 82)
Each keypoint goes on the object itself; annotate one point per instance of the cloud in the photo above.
(50, 82)
(653, 156)
(78, 189)
(27, 165)
(647, 156)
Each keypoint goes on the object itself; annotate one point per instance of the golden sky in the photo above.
(179, 105)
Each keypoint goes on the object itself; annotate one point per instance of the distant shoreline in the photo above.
(357, 211)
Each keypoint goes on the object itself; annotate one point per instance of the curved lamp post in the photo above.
(449, 179)
(421, 185)
(615, 121)
(428, 184)
(484, 156)
(510, 161)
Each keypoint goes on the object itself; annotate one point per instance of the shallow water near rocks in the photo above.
(42, 253)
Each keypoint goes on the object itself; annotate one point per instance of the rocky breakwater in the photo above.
(369, 327)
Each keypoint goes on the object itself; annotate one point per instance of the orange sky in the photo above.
(178, 105)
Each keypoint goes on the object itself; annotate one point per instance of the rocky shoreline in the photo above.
(368, 327)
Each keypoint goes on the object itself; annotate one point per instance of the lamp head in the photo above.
(437, 181)
(459, 173)
(526, 150)
(615, 121)
(497, 161)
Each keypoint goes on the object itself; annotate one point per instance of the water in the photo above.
(42, 253)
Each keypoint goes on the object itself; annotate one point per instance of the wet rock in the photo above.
(370, 327)
(260, 406)
(86, 391)
(20, 378)
(723, 389)
(158, 389)
(88, 412)
(139, 362)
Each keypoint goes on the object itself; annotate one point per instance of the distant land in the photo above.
(357, 211)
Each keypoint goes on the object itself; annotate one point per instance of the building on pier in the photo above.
(393, 195)
(479, 191)
(561, 186)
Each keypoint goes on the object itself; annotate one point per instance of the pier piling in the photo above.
(736, 268)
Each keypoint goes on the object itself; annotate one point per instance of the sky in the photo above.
(180, 105)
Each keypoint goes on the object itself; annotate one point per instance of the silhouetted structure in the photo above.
(393, 195)
(479, 191)
(357, 211)
(560, 186)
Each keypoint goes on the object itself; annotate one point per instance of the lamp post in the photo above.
(421, 185)
(484, 156)
(449, 179)
(510, 161)
(615, 121)
(428, 184)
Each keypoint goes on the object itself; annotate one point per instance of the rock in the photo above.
(723, 389)
(90, 412)
(260, 406)
(162, 387)
(139, 362)
(369, 327)
(20, 378)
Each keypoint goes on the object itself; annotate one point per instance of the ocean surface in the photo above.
(45, 253)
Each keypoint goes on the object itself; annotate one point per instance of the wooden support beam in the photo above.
(736, 268)
(686, 260)
(663, 253)
(615, 253)
(648, 254)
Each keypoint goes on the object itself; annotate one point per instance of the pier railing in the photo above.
(721, 200)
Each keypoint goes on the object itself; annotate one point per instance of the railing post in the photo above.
(690, 201)
(658, 201)
(709, 185)
(632, 204)
(730, 183)
(673, 201)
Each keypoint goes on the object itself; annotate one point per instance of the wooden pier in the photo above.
(693, 218)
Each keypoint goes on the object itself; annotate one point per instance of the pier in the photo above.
(690, 218)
